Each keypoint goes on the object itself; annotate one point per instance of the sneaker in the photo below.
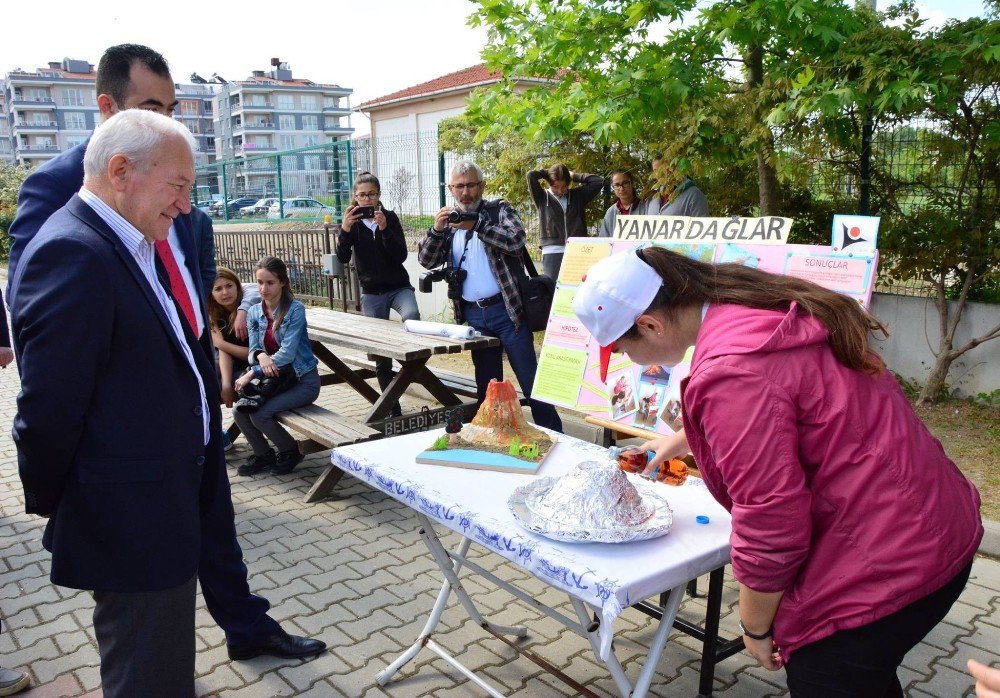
(12, 682)
(287, 460)
(257, 464)
(227, 443)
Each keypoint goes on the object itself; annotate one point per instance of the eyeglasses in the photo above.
(622, 185)
(366, 194)
(463, 187)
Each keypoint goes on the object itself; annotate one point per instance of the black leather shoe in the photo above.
(281, 644)
(257, 464)
(287, 460)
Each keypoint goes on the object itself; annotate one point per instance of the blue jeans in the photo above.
(261, 425)
(377, 305)
(519, 345)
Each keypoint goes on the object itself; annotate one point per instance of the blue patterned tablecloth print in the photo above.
(473, 503)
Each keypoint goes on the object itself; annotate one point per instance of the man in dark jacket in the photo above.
(561, 209)
(136, 77)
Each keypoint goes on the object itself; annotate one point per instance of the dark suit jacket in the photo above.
(48, 188)
(109, 428)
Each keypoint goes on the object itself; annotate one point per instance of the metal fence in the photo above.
(302, 251)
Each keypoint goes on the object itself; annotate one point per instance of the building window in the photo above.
(311, 162)
(312, 140)
(286, 122)
(72, 141)
(286, 102)
(331, 102)
(36, 94)
(308, 101)
(310, 123)
(288, 142)
(73, 97)
(331, 123)
(188, 107)
(313, 183)
(75, 120)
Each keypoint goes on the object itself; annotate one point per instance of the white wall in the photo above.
(410, 141)
(913, 323)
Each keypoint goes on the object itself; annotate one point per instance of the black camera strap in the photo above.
(465, 248)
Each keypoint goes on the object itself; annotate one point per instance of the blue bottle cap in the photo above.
(701, 519)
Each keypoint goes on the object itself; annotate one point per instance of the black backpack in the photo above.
(537, 292)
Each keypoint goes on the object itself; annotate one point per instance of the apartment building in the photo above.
(272, 111)
(49, 110)
(6, 151)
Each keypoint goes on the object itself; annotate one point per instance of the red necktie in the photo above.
(177, 286)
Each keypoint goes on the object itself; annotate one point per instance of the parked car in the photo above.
(204, 206)
(257, 208)
(233, 207)
(301, 207)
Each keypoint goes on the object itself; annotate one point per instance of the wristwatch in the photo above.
(755, 636)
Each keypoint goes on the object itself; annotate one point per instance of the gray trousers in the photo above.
(146, 642)
(551, 263)
(261, 425)
(378, 305)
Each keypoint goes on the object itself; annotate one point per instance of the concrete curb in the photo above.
(990, 544)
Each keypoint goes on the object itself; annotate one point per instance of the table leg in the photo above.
(384, 676)
(709, 656)
(442, 393)
(344, 372)
(381, 407)
(324, 483)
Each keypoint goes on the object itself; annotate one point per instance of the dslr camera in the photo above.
(452, 276)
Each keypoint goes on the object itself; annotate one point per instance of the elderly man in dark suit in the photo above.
(131, 76)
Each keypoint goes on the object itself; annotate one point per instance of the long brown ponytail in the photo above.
(688, 282)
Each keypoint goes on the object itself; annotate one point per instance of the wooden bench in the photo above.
(325, 430)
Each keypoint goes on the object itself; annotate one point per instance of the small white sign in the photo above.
(854, 236)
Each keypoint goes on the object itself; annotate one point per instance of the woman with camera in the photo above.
(280, 353)
(374, 237)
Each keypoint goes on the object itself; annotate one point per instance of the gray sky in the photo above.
(373, 46)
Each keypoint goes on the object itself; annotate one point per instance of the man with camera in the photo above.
(481, 243)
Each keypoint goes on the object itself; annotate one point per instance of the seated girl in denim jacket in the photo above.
(278, 340)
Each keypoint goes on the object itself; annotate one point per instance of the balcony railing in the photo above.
(36, 124)
(43, 148)
(257, 106)
(48, 101)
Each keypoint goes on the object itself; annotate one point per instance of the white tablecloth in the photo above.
(474, 503)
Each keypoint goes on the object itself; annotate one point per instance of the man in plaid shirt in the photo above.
(489, 250)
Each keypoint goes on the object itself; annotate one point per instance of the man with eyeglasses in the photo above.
(626, 202)
(561, 209)
(676, 195)
(488, 248)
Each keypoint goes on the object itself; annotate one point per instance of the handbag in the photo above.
(537, 292)
(260, 389)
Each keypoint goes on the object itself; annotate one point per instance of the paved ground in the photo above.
(351, 570)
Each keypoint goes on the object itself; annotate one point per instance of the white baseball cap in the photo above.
(614, 292)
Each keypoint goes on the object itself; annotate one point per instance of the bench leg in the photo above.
(326, 482)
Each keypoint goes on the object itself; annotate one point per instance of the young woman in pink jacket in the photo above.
(852, 531)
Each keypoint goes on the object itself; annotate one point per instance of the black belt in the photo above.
(487, 302)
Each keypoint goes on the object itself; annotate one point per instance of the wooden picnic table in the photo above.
(331, 333)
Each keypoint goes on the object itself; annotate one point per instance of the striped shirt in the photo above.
(144, 253)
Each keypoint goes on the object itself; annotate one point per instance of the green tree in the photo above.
(11, 177)
(706, 88)
(937, 185)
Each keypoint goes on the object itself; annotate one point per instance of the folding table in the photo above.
(598, 577)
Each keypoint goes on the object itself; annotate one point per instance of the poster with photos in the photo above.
(648, 397)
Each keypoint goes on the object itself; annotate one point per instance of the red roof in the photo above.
(469, 77)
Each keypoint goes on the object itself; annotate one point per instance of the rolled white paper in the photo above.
(440, 329)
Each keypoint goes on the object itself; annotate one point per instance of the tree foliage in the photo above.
(11, 177)
(774, 96)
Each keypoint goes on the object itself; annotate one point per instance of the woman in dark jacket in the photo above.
(374, 236)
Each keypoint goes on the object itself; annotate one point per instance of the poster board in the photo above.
(648, 397)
